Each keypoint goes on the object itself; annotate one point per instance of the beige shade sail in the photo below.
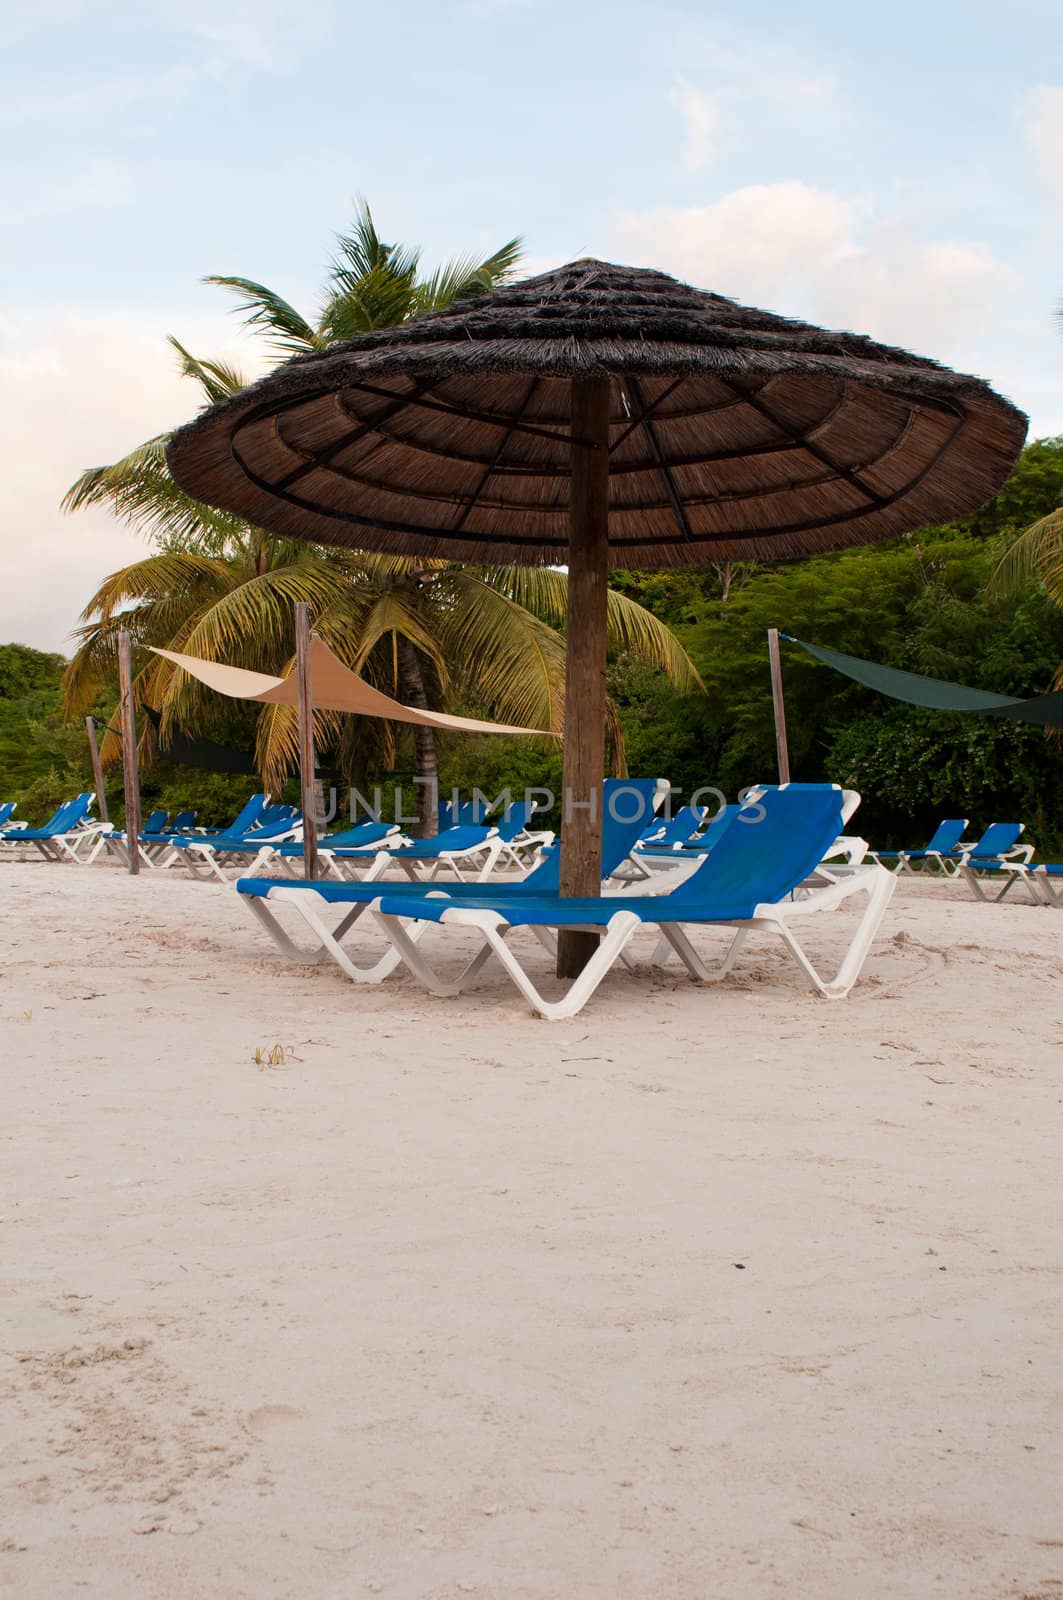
(334, 687)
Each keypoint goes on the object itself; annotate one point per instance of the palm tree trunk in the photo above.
(427, 768)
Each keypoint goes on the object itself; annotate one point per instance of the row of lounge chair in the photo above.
(267, 837)
(991, 866)
(70, 834)
(265, 834)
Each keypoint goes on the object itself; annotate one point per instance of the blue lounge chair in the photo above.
(763, 872)
(155, 836)
(466, 814)
(248, 817)
(423, 859)
(679, 830)
(65, 834)
(7, 811)
(517, 836)
(331, 846)
(213, 852)
(626, 802)
(943, 845)
(152, 833)
(987, 861)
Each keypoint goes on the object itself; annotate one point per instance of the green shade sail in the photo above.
(934, 693)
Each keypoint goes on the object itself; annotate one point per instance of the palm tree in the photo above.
(434, 631)
(1036, 553)
(370, 285)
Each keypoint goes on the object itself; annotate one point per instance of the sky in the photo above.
(896, 170)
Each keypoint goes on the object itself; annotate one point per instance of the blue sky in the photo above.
(898, 170)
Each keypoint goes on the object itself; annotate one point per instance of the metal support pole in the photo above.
(97, 769)
(307, 795)
(129, 753)
(779, 706)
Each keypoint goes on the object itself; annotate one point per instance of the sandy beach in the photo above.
(723, 1291)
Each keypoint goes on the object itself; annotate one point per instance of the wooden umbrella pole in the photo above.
(97, 769)
(779, 706)
(130, 777)
(307, 794)
(588, 588)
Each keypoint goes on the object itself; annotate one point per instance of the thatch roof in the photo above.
(735, 434)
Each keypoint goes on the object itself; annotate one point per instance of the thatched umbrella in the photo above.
(601, 416)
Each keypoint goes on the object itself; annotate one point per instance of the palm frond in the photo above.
(1036, 553)
(362, 251)
(396, 613)
(266, 312)
(160, 577)
(96, 485)
(544, 591)
(217, 379)
(631, 627)
(252, 623)
(379, 298)
(462, 278)
(139, 491)
(512, 661)
(277, 739)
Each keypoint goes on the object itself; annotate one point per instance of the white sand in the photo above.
(728, 1292)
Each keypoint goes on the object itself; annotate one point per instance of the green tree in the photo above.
(924, 602)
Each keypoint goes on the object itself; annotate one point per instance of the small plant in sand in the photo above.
(278, 1055)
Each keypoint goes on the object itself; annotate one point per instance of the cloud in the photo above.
(75, 391)
(1042, 111)
(100, 184)
(814, 253)
(89, 105)
(752, 243)
(739, 92)
(262, 35)
(701, 119)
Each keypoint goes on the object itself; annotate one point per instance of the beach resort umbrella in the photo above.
(600, 416)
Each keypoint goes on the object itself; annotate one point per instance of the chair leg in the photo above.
(970, 877)
(673, 936)
(620, 929)
(879, 894)
(331, 945)
(281, 938)
(405, 940)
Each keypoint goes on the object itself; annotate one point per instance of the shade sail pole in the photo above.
(97, 769)
(129, 752)
(585, 653)
(782, 748)
(307, 794)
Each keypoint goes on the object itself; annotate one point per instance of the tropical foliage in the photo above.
(483, 638)
(928, 603)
